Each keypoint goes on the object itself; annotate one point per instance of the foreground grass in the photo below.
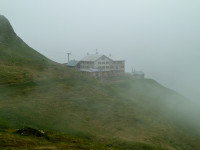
(120, 112)
(12, 141)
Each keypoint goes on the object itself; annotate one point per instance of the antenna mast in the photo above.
(68, 56)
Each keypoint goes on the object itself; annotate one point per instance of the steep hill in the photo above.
(18, 61)
(40, 93)
(14, 51)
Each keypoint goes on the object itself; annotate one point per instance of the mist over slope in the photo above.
(21, 63)
(43, 94)
(13, 50)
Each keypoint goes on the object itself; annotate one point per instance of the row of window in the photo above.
(104, 67)
(115, 62)
(103, 62)
(87, 62)
(111, 67)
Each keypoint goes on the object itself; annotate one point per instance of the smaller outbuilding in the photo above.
(74, 64)
(138, 74)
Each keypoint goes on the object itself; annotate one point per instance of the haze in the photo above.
(159, 37)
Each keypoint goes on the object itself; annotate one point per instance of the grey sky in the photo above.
(160, 37)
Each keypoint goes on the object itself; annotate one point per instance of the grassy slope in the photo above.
(10, 140)
(40, 93)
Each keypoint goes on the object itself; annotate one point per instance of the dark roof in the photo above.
(72, 63)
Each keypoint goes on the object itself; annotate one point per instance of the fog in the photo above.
(158, 37)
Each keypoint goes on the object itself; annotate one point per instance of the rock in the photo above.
(27, 131)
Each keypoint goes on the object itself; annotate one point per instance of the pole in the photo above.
(68, 56)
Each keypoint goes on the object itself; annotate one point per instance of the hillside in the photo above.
(40, 93)
(18, 61)
(14, 51)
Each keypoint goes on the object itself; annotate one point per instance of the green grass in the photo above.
(11, 140)
(99, 111)
(120, 113)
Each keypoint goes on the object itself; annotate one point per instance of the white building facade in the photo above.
(101, 65)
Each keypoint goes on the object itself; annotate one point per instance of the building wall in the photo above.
(103, 63)
(118, 66)
(86, 64)
(106, 66)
